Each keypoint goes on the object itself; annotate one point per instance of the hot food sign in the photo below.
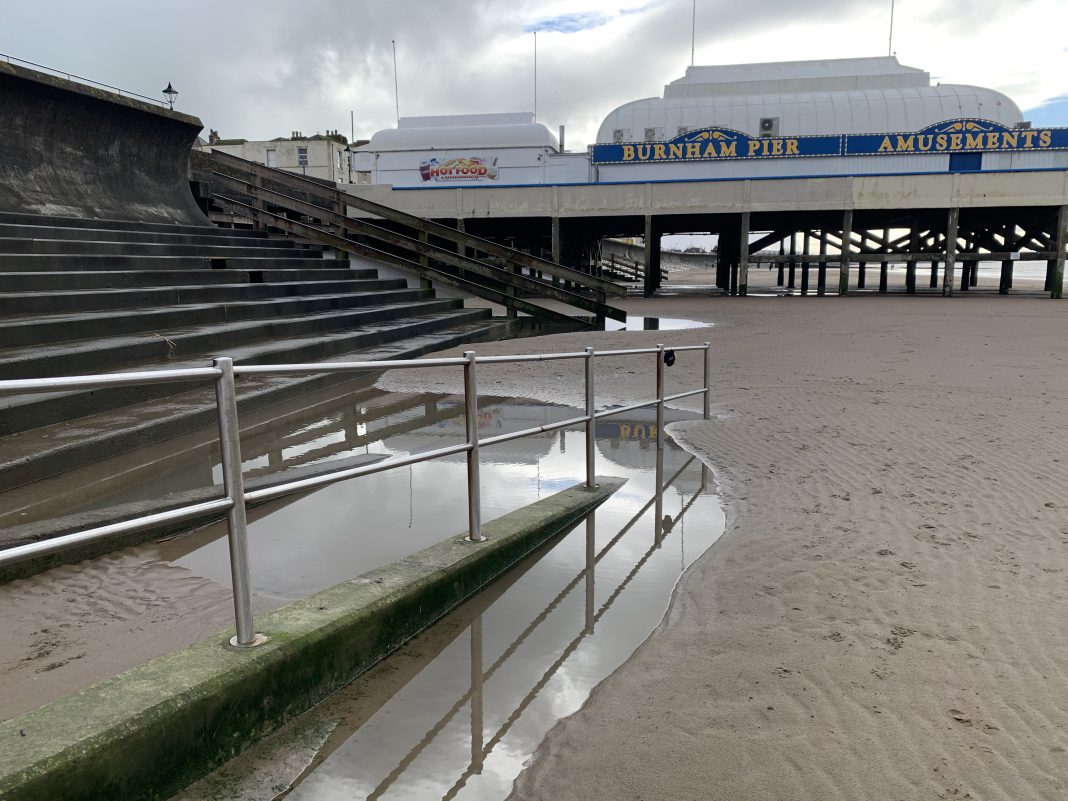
(463, 169)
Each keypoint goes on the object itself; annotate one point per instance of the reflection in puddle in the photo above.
(458, 711)
(654, 324)
(306, 543)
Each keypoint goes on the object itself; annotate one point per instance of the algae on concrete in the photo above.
(150, 731)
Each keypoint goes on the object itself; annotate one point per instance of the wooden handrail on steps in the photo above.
(250, 179)
(478, 289)
(418, 247)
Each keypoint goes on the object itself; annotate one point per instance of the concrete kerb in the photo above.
(152, 730)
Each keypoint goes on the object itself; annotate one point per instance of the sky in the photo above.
(262, 70)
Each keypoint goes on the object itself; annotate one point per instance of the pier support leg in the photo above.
(1006, 277)
(949, 271)
(847, 250)
(806, 248)
(743, 255)
(884, 266)
(966, 275)
(911, 266)
(934, 274)
(1061, 240)
(792, 283)
(652, 257)
(782, 266)
(821, 275)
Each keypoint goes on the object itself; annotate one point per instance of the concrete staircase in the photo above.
(84, 296)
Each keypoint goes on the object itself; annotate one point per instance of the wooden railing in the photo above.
(435, 252)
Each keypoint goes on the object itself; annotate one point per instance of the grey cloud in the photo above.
(262, 70)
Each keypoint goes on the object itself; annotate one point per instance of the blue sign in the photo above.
(949, 136)
(714, 144)
(958, 136)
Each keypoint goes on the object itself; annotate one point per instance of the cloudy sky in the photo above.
(260, 70)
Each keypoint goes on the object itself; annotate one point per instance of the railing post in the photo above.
(659, 397)
(591, 439)
(708, 381)
(234, 487)
(474, 503)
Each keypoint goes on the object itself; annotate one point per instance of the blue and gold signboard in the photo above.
(958, 136)
(950, 136)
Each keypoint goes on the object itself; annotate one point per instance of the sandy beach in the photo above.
(883, 618)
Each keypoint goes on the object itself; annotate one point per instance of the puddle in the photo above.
(427, 722)
(305, 543)
(654, 324)
(458, 711)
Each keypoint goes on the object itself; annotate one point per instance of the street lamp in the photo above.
(171, 94)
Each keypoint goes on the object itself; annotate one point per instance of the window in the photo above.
(272, 157)
(302, 157)
(339, 167)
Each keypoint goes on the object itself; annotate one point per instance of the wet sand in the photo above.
(884, 618)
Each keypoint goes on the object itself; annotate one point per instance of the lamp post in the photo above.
(170, 94)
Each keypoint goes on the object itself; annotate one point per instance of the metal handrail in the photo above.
(72, 77)
(235, 500)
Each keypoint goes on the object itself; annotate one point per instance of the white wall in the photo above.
(322, 157)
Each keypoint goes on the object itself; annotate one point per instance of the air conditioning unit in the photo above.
(769, 126)
(682, 129)
(1023, 126)
(650, 134)
(617, 135)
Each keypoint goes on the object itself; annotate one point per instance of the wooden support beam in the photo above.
(914, 248)
(948, 274)
(652, 257)
(1006, 277)
(847, 248)
(821, 276)
(743, 254)
(792, 281)
(1061, 244)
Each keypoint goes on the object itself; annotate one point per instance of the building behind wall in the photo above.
(467, 149)
(324, 156)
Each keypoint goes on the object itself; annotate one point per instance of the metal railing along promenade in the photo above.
(70, 76)
(235, 498)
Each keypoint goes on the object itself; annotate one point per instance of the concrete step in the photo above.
(121, 352)
(268, 248)
(198, 237)
(15, 218)
(20, 304)
(50, 450)
(116, 279)
(25, 412)
(36, 262)
(285, 435)
(31, 330)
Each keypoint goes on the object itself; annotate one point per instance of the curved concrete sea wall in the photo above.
(76, 151)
